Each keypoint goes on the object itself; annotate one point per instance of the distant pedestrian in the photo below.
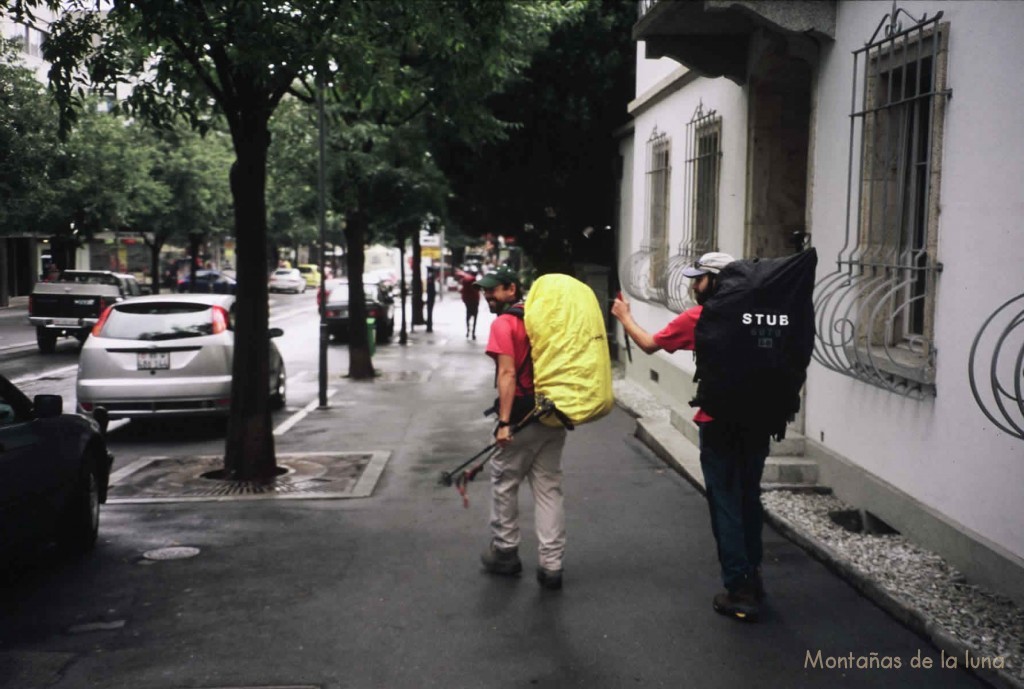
(731, 458)
(534, 453)
(471, 298)
(431, 296)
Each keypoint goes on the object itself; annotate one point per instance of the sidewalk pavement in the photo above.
(387, 591)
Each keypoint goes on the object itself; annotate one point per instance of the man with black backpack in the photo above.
(534, 453)
(732, 455)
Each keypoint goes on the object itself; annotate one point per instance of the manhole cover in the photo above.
(178, 552)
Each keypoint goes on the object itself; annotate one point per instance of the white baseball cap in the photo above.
(712, 262)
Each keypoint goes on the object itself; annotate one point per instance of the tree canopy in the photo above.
(555, 169)
(385, 64)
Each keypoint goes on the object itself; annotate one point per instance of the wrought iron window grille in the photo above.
(875, 311)
(646, 270)
(700, 188)
(996, 367)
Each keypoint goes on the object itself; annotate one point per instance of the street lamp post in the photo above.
(322, 220)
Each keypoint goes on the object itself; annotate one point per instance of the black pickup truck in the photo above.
(72, 304)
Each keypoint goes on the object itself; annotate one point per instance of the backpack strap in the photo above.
(519, 312)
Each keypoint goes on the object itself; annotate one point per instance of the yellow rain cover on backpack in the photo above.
(569, 347)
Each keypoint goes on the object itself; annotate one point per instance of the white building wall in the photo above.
(670, 115)
(650, 72)
(30, 38)
(942, 452)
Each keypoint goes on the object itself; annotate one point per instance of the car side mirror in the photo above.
(274, 332)
(48, 406)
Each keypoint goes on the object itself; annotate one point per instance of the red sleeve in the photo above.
(508, 336)
(679, 334)
(500, 340)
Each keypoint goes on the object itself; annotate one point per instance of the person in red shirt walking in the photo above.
(471, 298)
(731, 459)
(534, 453)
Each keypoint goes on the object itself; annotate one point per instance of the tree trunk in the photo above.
(154, 264)
(249, 449)
(193, 252)
(360, 364)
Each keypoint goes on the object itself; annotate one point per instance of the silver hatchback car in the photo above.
(166, 355)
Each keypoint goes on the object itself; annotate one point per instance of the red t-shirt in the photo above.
(470, 292)
(508, 336)
(679, 334)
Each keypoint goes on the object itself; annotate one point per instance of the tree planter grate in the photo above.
(309, 475)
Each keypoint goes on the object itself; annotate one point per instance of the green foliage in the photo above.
(292, 175)
(193, 169)
(389, 65)
(28, 145)
(108, 174)
(561, 153)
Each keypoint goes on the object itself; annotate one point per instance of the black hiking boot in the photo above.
(740, 604)
(758, 584)
(550, 579)
(499, 561)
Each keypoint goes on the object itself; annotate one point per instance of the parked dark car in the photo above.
(209, 282)
(380, 305)
(54, 471)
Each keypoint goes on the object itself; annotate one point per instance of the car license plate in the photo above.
(152, 361)
(65, 321)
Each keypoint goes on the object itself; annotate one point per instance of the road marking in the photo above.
(127, 471)
(292, 314)
(300, 415)
(45, 374)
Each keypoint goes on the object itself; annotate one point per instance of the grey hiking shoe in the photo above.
(550, 579)
(499, 561)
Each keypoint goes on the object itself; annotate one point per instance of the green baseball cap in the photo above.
(502, 276)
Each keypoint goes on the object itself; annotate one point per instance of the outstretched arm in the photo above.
(643, 339)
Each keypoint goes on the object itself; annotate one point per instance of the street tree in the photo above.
(429, 69)
(238, 58)
(29, 151)
(191, 166)
(198, 60)
(107, 178)
(292, 176)
(555, 170)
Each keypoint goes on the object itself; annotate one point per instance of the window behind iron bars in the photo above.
(659, 174)
(901, 137)
(700, 231)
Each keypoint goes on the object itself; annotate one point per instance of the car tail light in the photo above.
(101, 322)
(86, 406)
(373, 313)
(102, 304)
(220, 319)
(333, 313)
(222, 403)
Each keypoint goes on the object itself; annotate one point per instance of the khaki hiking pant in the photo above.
(535, 454)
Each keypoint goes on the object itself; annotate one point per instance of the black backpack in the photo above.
(754, 341)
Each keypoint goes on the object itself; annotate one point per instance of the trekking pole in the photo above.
(625, 336)
(446, 476)
(460, 480)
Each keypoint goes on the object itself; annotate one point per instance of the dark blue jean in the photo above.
(732, 462)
